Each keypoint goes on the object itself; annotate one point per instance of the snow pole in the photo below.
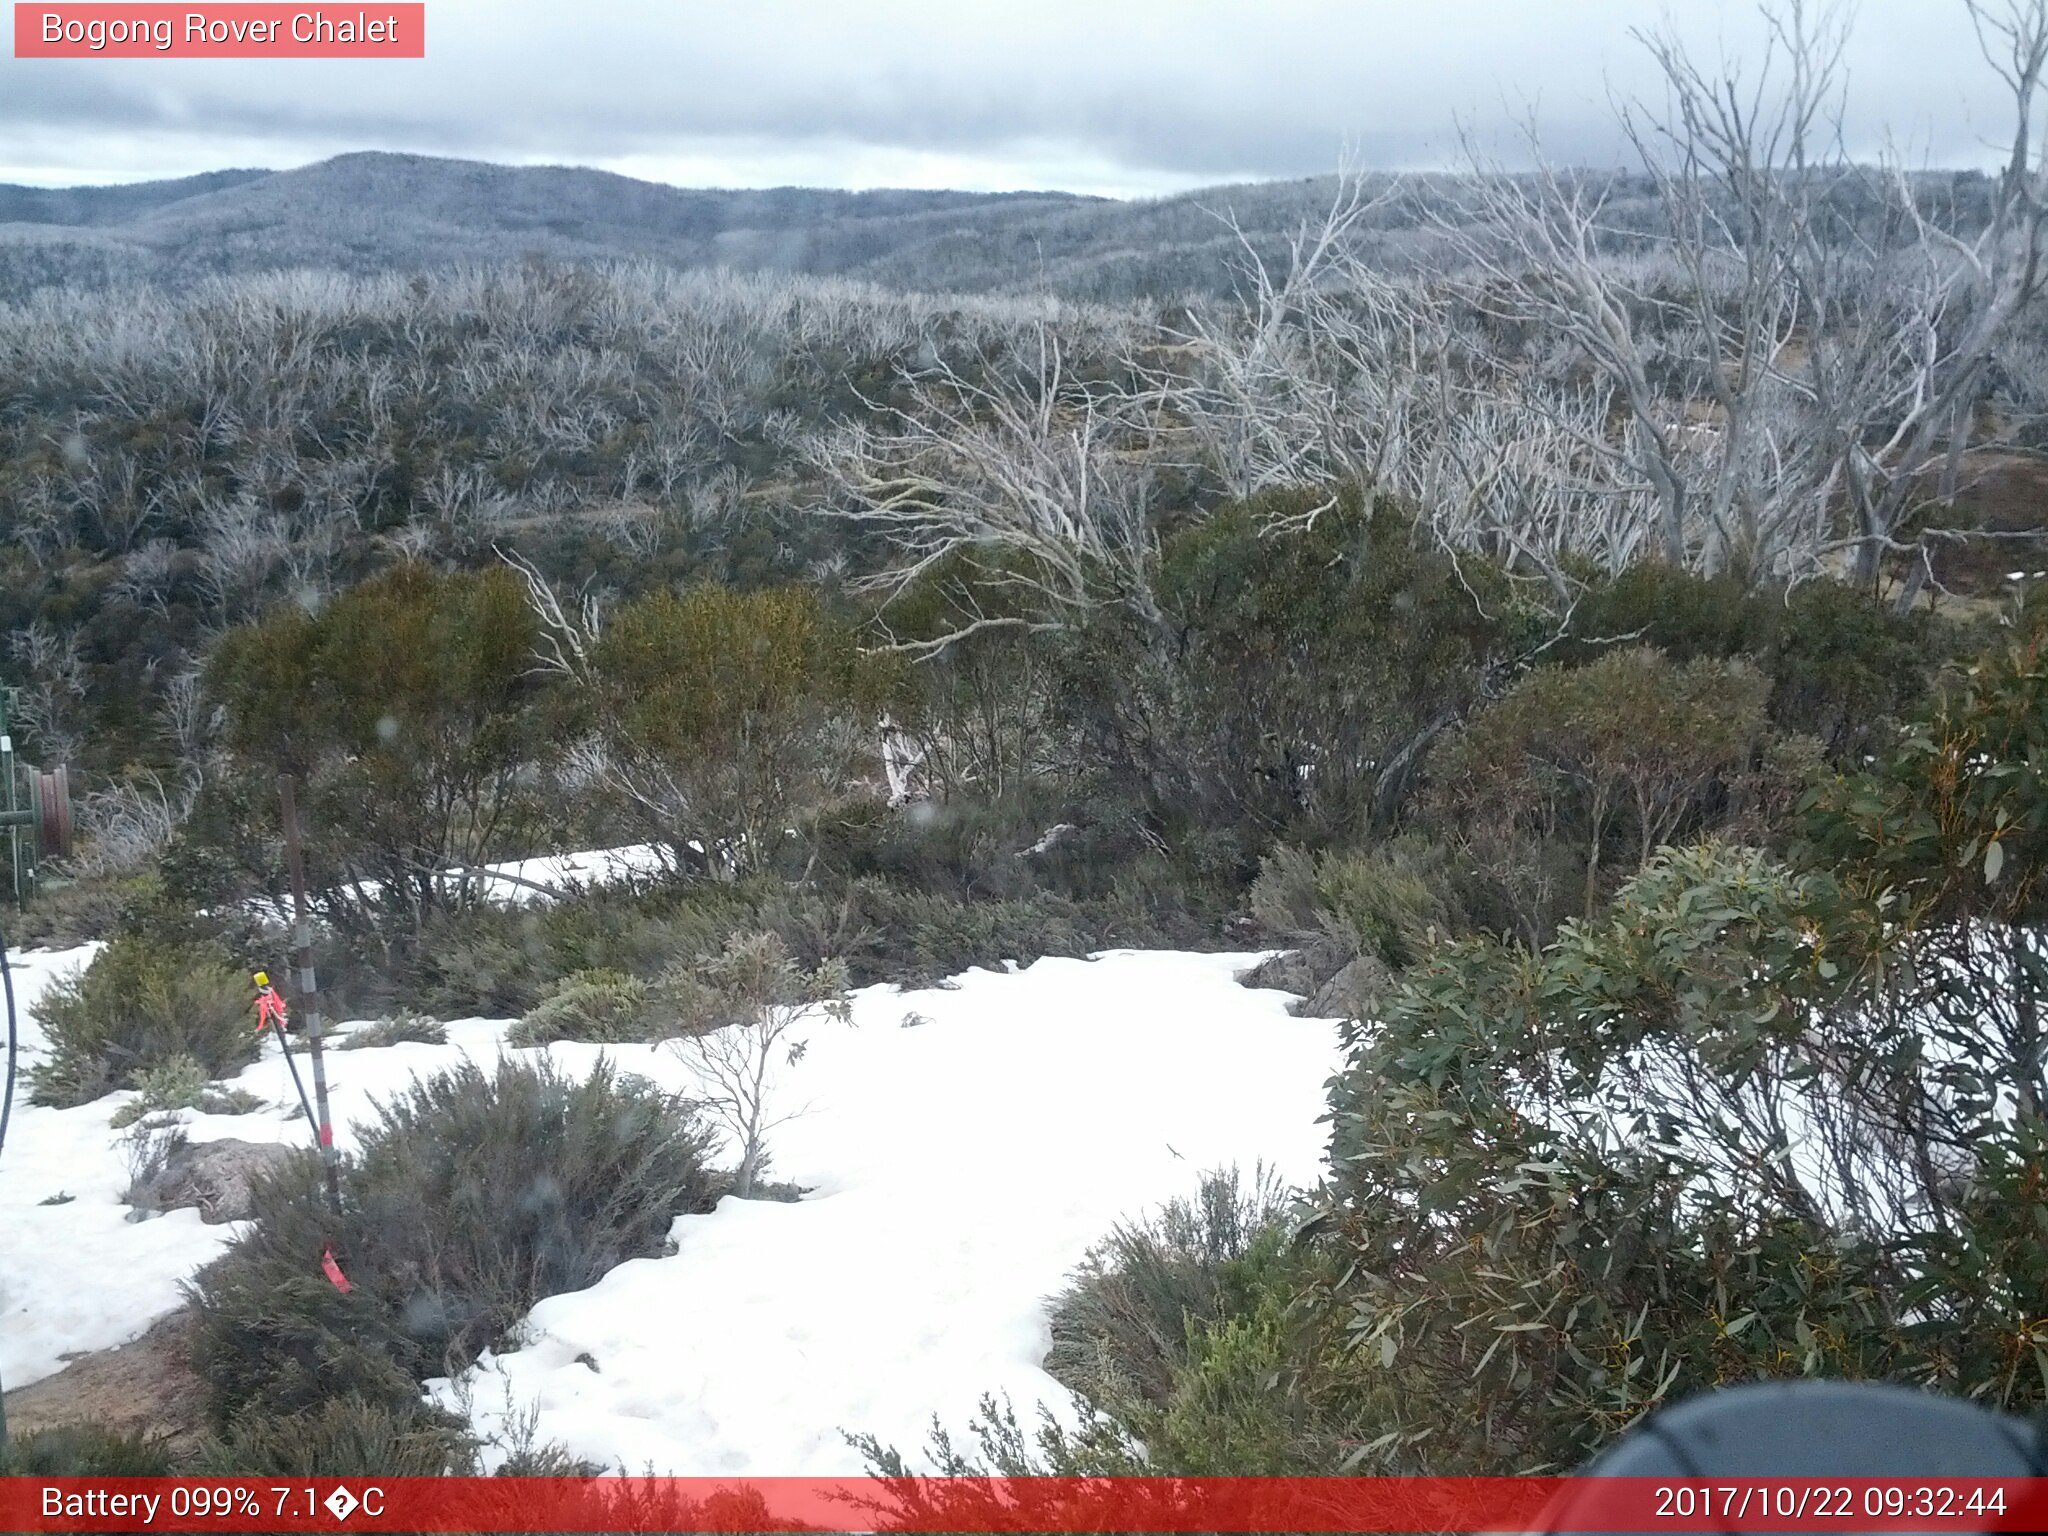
(309, 990)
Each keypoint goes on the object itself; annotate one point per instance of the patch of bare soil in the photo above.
(2001, 492)
(147, 1385)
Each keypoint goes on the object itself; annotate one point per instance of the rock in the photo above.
(1290, 970)
(1353, 993)
(1329, 986)
(213, 1177)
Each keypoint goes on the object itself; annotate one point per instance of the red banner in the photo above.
(1139, 1504)
(375, 31)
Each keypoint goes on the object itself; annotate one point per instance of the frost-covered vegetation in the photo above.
(1578, 652)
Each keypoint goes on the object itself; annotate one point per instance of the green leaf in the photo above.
(1994, 861)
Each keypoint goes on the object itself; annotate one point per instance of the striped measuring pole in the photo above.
(308, 987)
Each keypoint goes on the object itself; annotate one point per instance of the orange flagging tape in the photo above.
(270, 1010)
(333, 1269)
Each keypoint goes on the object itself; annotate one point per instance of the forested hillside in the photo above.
(373, 213)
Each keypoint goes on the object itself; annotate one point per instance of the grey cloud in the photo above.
(1163, 93)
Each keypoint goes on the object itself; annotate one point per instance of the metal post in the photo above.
(308, 1000)
(10, 813)
(37, 821)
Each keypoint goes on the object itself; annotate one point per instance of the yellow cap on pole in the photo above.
(263, 978)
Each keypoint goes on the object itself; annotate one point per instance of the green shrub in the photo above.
(1253, 1397)
(922, 938)
(67, 913)
(1842, 665)
(1266, 1388)
(1601, 764)
(1387, 903)
(500, 961)
(602, 1007)
(403, 1028)
(84, 1450)
(1355, 918)
(1305, 672)
(473, 1195)
(1380, 902)
(495, 963)
(344, 1437)
(1682, 614)
(273, 1337)
(407, 706)
(174, 1083)
(1526, 1284)
(739, 711)
(140, 1003)
(484, 962)
(179, 1082)
(1121, 1329)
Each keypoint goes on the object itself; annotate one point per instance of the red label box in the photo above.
(238, 31)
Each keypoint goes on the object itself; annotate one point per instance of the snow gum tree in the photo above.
(1623, 754)
(722, 716)
(408, 708)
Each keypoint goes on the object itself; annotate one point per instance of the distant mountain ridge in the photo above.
(109, 205)
(375, 212)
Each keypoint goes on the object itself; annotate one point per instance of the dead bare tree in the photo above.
(1013, 472)
(569, 629)
(1974, 289)
(1307, 381)
(127, 824)
(53, 681)
(241, 546)
(1808, 340)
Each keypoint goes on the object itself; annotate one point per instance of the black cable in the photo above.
(6, 1113)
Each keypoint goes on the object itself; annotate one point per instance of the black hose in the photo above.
(6, 1113)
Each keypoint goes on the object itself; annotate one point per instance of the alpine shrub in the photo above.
(403, 1028)
(473, 1195)
(345, 1437)
(1122, 1327)
(140, 1003)
(601, 1006)
(179, 1082)
(84, 1450)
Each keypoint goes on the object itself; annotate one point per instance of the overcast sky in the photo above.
(1121, 97)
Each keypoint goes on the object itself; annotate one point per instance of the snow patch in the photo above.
(955, 1173)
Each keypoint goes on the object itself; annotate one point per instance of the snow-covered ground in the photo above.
(521, 882)
(957, 1167)
(598, 866)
